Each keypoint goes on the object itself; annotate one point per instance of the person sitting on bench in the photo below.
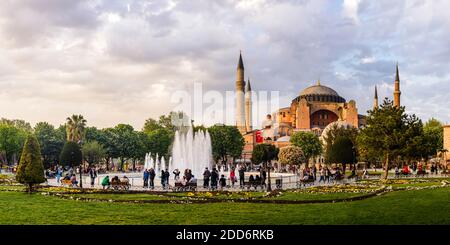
(115, 180)
(73, 180)
(125, 180)
(105, 182)
(258, 181)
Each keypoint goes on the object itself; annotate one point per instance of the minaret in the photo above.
(375, 99)
(397, 88)
(248, 107)
(240, 106)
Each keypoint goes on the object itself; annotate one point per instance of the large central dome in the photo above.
(319, 89)
(319, 93)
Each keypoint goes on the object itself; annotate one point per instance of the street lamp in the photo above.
(81, 166)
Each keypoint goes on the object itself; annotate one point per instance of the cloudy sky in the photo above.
(119, 61)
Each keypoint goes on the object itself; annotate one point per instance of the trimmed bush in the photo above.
(31, 169)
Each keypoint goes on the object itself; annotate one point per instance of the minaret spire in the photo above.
(397, 92)
(240, 93)
(375, 99)
(248, 88)
(248, 107)
(397, 77)
(240, 63)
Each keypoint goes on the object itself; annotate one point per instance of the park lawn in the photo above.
(123, 197)
(302, 196)
(430, 206)
(220, 195)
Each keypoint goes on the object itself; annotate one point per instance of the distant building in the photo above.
(447, 138)
(315, 108)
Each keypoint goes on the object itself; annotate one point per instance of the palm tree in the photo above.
(75, 128)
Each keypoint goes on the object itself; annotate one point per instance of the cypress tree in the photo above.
(31, 169)
(71, 154)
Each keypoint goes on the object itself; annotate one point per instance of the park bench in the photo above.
(66, 183)
(305, 182)
(253, 184)
(179, 186)
(421, 174)
(122, 185)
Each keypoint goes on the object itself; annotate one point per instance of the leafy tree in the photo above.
(93, 134)
(71, 154)
(308, 142)
(433, 136)
(415, 141)
(140, 148)
(61, 132)
(172, 122)
(341, 151)
(30, 170)
(265, 153)
(124, 139)
(226, 142)
(11, 142)
(291, 155)
(151, 125)
(75, 126)
(19, 124)
(108, 140)
(390, 133)
(93, 152)
(159, 141)
(51, 142)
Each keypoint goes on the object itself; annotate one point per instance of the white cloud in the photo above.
(350, 9)
(118, 61)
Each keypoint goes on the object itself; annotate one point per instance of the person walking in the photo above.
(241, 177)
(322, 172)
(263, 177)
(166, 177)
(146, 176)
(176, 172)
(327, 175)
(163, 179)
(152, 175)
(214, 179)
(314, 172)
(206, 176)
(58, 174)
(232, 177)
(93, 175)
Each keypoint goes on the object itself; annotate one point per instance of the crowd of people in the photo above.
(213, 179)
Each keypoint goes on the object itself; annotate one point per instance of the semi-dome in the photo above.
(319, 89)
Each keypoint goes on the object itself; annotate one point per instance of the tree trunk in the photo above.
(269, 183)
(107, 164)
(386, 167)
(30, 188)
(81, 175)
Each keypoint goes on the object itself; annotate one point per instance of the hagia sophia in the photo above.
(315, 109)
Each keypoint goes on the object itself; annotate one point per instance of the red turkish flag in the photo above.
(258, 135)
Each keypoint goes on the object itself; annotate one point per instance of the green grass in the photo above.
(125, 197)
(316, 196)
(399, 207)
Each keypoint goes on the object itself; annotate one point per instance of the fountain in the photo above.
(191, 151)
